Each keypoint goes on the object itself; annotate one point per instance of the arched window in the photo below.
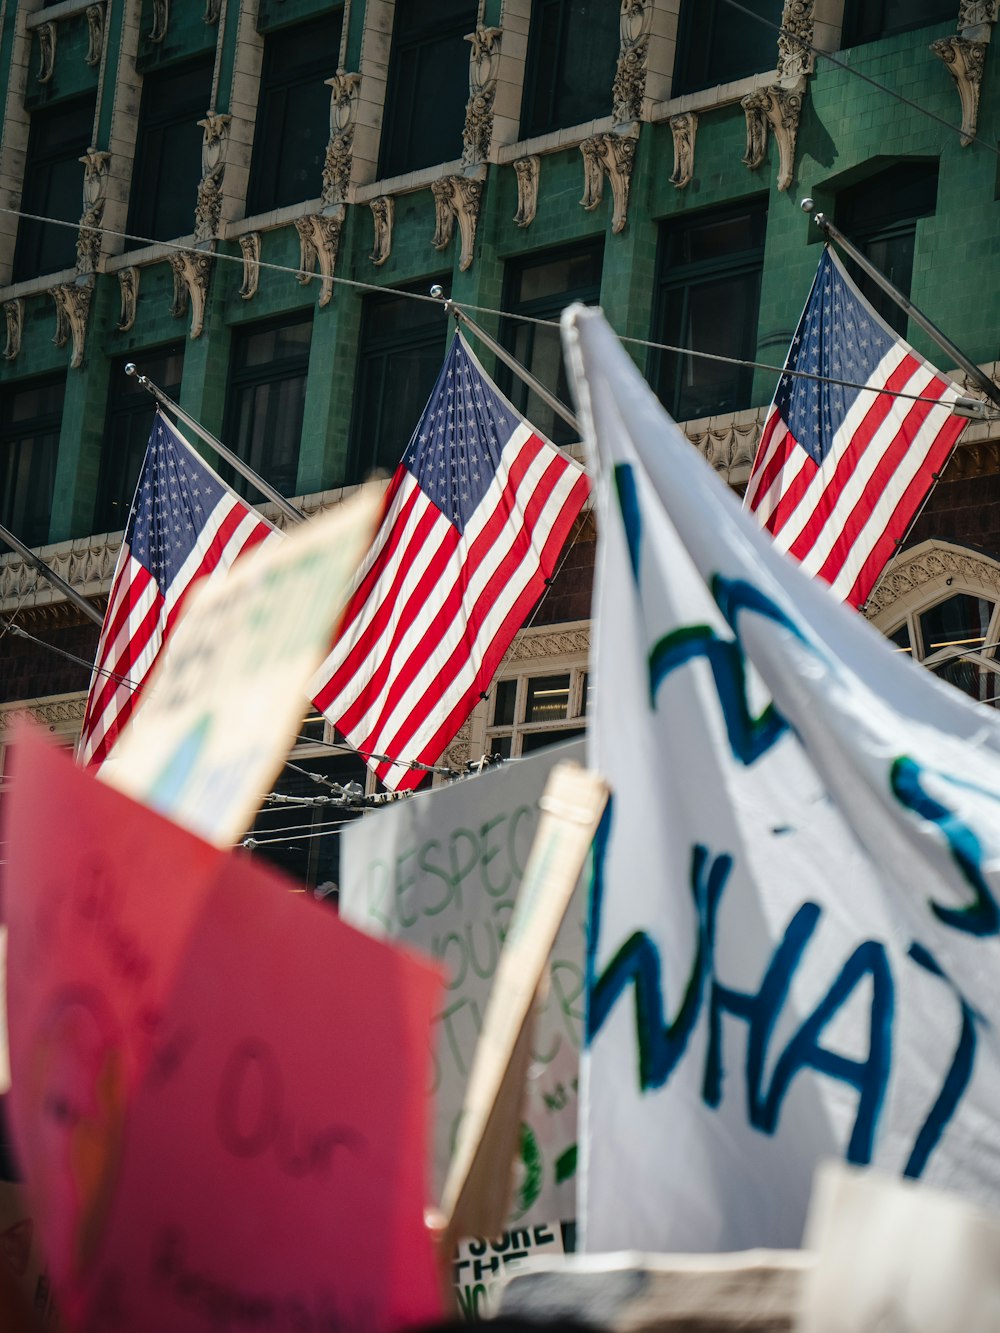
(941, 604)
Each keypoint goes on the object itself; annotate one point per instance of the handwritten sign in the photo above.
(226, 697)
(441, 872)
(218, 1089)
(795, 923)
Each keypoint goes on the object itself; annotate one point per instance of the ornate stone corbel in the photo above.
(976, 17)
(319, 244)
(629, 86)
(128, 290)
(213, 166)
(211, 14)
(344, 91)
(527, 169)
(46, 51)
(192, 272)
(72, 301)
(96, 166)
(965, 61)
(612, 155)
(161, 20)
(797, 20)
(456, 197)
(383, 210)
(684, 128)
(95, 34)
(250, 246)
(484, 62)
(14, 315)
(780, 109)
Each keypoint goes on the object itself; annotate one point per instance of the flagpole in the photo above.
(931, 329)
(55, 579)
(244, 469)
(511, 362)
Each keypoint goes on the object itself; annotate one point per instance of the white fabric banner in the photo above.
(794, 933)
(441, 872)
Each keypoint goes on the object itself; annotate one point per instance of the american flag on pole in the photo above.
(476, 515)
(185, 524)
(841, 472)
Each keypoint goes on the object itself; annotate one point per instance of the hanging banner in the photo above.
(441, 872)
(795, 923)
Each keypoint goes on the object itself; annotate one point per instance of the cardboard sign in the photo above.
(475, 1192)
(225, 699)
(441, 872)
(218, 1089)
(481, 1266)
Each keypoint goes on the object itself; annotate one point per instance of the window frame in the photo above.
(537, 87)
(685, 78)
(682, 277)
(506, 739)
(34, 237)
(856, 32)
(13, 433)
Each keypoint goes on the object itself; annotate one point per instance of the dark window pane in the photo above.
(572, 54)
(548, 698)
(901, 637)
(717, 44)
(293, 114)
(266, 403)
(168, 151)
(53, 188)
(707, 299)
(30, 417)
(867, 20)
(959, 622)
(402, 345)
(538, 740)
(428, 85)
(880, 216)
(503, 707)
(126, 433)
(541, 287)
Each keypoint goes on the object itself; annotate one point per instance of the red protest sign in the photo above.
(218, 1089)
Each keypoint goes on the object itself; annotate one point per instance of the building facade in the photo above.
(251, 200)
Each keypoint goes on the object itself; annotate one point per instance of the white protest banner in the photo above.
(441, 872)
(795, 929)
(226, 696)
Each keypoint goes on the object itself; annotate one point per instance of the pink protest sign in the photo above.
(257, 1156)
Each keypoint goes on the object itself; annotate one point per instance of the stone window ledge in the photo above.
(37, 286)
(64, 11)
(708, 99)
(554, 142)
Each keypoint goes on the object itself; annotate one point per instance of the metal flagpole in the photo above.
(511, 362)
(55, 579)
(931, 329)
(244, 469)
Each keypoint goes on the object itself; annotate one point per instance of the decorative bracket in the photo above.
(780, 109)
(344, 92)
(72, 301)
(966, 61)
(629, 87)
(976, 18)
(456, 197)
(14, 315)
(213, 166)
(319, 244)
(797, 20)
(46, 51)
(96, 167)
(250, 245)
(527, 169)
(211, 14)
(612, 155)
(128, 287)
(684, 128)
(161, 20)
(383, 210)
(95, 34)
(484, 63)
(192, 272)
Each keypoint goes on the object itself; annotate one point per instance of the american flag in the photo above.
(185, 524)
(841, 472)
(475, 517)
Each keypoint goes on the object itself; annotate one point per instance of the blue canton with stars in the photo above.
(456, 447)
(173, 500)
(840, 336)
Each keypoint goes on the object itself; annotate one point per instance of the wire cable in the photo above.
(486, 310)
